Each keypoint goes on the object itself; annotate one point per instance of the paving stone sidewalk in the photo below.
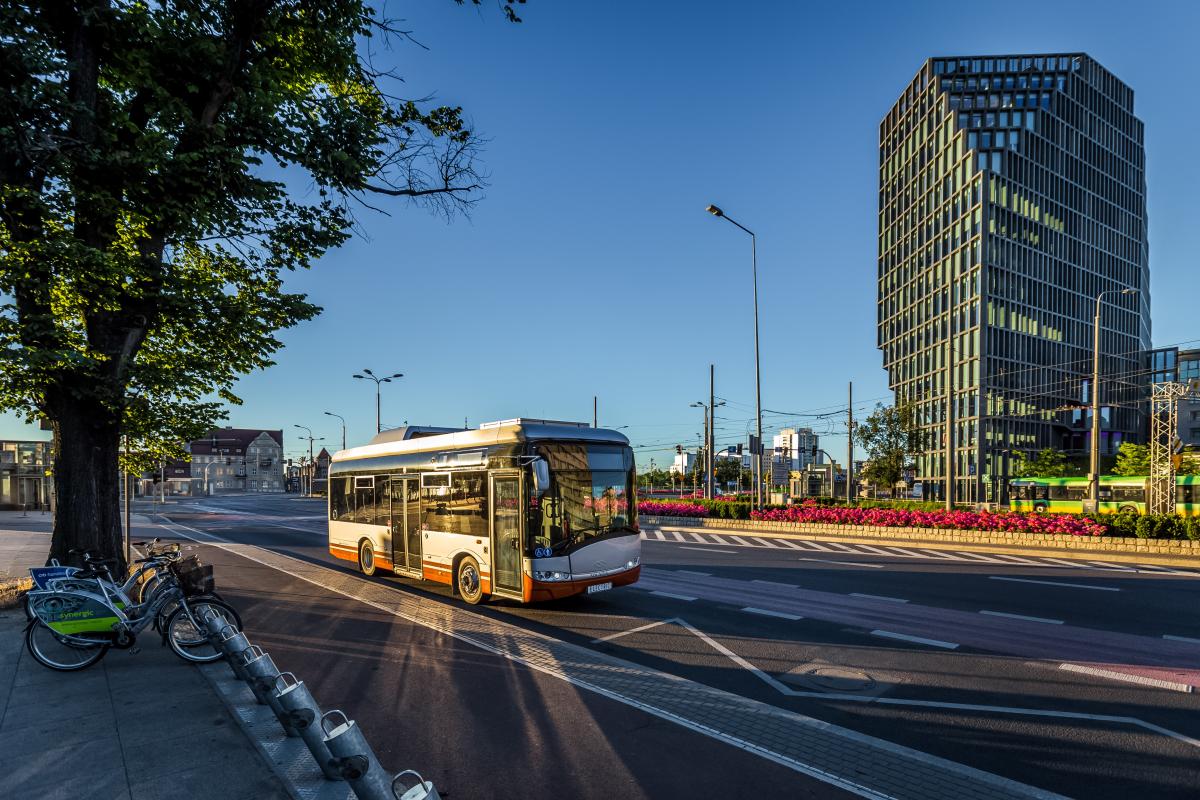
(136, 726)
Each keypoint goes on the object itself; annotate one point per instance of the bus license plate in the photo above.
(599, 587)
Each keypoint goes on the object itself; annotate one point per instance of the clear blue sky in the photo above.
(591, 266)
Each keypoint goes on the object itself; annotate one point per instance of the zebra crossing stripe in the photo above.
(818, 546)
(740, 541)
(790, 543)
(902, 552)
(697, 537)
(1018, 559)
(678, 536)
(977, 557)
(938, 554)
(764, 542)
(845, 548)
(659, 535)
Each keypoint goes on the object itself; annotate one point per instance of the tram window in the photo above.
(1129, 494)
(1187, 493)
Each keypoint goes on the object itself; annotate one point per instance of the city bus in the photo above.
(524, 509)
(1117, 493)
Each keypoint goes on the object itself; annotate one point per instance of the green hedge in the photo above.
(1154, 526)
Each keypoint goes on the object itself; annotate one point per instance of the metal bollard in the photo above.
(252, 654)
(421, 790)
(263, 672)
(355, 760)
(233, 644)
(301, 713)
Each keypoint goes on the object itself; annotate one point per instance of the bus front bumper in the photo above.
(536, 591)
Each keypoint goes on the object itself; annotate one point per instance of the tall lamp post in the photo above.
(1094, 466)
(368, 375)
(343, 419)
(717, 212)
(311, 463)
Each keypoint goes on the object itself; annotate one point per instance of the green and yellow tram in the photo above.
(1117, 493)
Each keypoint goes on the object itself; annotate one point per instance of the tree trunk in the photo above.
(87, 513)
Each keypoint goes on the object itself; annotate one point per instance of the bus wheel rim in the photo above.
(366, 556)
(468, 580)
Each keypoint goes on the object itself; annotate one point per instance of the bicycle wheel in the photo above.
(60, 652)
(187, 639)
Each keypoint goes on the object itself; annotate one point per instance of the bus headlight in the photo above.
(633, 562)
(551, 576)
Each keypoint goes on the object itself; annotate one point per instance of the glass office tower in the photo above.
(1012, 192)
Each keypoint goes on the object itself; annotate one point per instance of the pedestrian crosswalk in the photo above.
(693, 538)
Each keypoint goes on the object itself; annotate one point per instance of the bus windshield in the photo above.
(590, 495)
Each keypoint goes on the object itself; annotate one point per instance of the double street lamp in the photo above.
(311, 463)
(1094, 466)
(368, 375)
(757, 456)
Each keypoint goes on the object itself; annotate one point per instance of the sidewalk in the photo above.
(136, 726)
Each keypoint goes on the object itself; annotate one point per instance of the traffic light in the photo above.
(739, 448)
(678, 449)
(814, 451)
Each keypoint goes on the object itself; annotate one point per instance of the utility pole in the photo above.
(595, 412)
(950, 423)
(712, 408)
(1094, 461)
(850, 444)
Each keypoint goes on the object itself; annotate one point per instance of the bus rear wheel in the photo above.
(1040, 509)
(366, 558)
(1128, 509)
(468, 581)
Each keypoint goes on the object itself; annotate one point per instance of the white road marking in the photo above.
(1022, 617)
(818, 546)
(764, 542)
(900, 551)
(977, 557)
(766, 612)
(878, 597)
(1106, 565)
(1017, 559)
(904, 637)
(874, 550)
(693, 572)
(939, 554)
(775, 583)
(1054, 583)
(740, 541)
(674, 596)
(1158, 683)
(845, 548)
(845, 563)
(698, 537)
(1065, 563)
(240, 550)
(638, 629)
(790, 543)
(707, 549)
(659, 535)
(1187, 639)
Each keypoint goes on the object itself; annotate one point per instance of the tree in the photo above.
(1050, 463)
(728, 470)
(891, 439)
(1132, 459)
(163, 167)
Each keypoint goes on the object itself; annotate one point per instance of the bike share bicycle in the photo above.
(77, 618)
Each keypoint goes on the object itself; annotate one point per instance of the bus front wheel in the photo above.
(366, 558)
(470, 585)
(1128, 509)
(1040, 509)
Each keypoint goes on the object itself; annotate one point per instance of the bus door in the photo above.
(507, 552)
(406, 525)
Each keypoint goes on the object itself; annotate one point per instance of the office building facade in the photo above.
(1012, 193)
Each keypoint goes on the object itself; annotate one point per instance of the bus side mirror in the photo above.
(541, 476)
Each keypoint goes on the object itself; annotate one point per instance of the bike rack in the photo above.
(300, 713)
(263, 672)
(233, 644)
(355, 760)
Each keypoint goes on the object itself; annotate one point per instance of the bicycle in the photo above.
(77, 619)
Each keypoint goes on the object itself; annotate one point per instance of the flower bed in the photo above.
(955, 520)
(666, 509)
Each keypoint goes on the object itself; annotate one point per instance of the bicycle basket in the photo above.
(194, 578)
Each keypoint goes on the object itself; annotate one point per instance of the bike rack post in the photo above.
(355, 760)
(421, 790)
(301, 713)
(263, 672)
(213, 623)
(233, 644)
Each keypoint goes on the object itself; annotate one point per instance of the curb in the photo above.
(934, 544)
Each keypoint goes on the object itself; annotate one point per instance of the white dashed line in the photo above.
(673, 596)
(878, 597)
(1022, 617)
(775, 583)
(766, 612)
(1187, 639)
(1054, 583)
(845, 563)
(904, 637)
(707, 549)
(693, 572)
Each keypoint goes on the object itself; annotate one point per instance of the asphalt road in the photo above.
(959, 658)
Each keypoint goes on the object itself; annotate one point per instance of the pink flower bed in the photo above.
(671, 509)
(956, 520)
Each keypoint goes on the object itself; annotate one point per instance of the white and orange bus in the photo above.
(523, 509)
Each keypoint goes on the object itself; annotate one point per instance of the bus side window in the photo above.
(338, 499)
(364, 500)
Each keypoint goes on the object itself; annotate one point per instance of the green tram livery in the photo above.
(1117, 493)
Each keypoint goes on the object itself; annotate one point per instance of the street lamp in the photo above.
(1094, 466)
(709, 462)
(310, 439)
(367, 374)
(717, 212)
(343, 419)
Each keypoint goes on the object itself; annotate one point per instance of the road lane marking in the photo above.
(1018, 559)
(1125, 677)
(874, 550)
(1187, 639)
(740, 541)
(764, 542)
(977, 557)
(904, 637)
(878, 597)
(1106, 565)
(766, 612)
(1022, 617)
(693, 572)
(900, 551)
(1065, 563)
(1054, 583)
(303, 571)
(845, 563)
(845, 548)
(659, 535)
(707, 549)
(939, 554)
(673, 596)
(790, 543)
(697, 537)
(818, 546)
(638, 629)
(678, 536)
(775, 583)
